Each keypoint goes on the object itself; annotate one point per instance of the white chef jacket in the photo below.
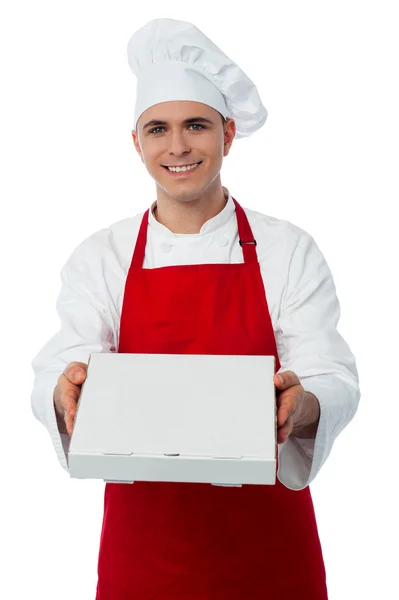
(300, 293)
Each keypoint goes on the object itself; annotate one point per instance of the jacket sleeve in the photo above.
(310, 345)
(84, 328)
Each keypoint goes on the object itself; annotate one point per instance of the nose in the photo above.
(178, 144)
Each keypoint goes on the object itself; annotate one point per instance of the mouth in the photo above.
(184, 173)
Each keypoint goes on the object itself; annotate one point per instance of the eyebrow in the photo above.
(185, 122)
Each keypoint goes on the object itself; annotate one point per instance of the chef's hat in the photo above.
(174, 60)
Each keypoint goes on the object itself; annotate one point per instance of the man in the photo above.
(199, 274)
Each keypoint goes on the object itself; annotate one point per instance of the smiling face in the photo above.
(181, 134)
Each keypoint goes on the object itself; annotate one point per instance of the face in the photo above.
(183, 133)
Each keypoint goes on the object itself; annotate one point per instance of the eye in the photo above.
(197, 125)
(155, 128)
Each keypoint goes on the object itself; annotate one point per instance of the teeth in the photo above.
(179, 169)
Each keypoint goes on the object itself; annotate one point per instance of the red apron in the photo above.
(171, 541)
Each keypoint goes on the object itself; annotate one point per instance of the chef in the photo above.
(197, 273)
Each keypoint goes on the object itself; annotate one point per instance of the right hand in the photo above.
(66, 395)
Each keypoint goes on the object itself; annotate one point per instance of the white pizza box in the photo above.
(176, 418)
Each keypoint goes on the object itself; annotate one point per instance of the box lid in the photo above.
(196, 405)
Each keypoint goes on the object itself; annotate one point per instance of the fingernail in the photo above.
(279, 376)
(77, 375)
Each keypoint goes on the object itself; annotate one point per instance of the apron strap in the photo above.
(139, 250)
(246, 238)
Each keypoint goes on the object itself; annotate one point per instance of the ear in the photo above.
(229, 134)
(136, 143)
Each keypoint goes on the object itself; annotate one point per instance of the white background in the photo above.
(326, 160)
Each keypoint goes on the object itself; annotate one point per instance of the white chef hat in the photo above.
(174, 60)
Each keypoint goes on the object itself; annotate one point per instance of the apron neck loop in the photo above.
(246, 238)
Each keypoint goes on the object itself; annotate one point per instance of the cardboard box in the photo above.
(172, 417)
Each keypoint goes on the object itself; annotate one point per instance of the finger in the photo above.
(69, 392)
(285, 408)
(70, 414)
(284, 432)
(285, 380)
(70, 405)
(69, 421)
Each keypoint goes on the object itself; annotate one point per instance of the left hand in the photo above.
(298, 411)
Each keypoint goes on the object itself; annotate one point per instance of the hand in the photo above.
(298, 411)
(66, 395)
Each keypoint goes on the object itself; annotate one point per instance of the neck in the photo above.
(188, 215)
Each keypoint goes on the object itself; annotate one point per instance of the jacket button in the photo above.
(165, 247)
(222, 240)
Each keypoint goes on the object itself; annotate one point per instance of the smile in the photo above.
(182, 170)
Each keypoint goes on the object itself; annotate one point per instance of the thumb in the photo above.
(78, 376)
(285, 380)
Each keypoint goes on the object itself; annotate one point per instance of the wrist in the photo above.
(307, 417)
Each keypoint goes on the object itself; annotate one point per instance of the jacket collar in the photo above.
(209, 226)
